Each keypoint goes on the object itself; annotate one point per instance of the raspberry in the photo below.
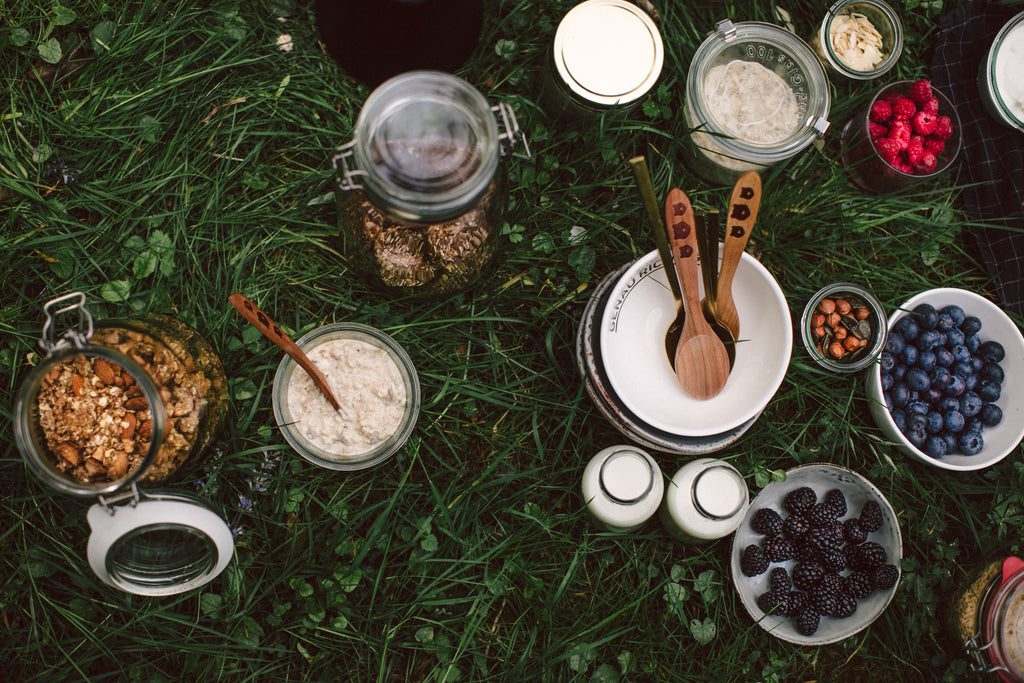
(877, 130)
(807, 575)
(868, 556)
(837, 501)
(903, 109)
(915, 150)
(754, 562)
(778, 581)
(888, 149)
(943, 127)
(931, 106)
(853, 532)
(846, 605)
(807, 621)
(881, 112)
(859, 584)
(934, 145)
(904, 167)
(778, 549)
(900, 131)
(886, 576)
(771, 603)
(800, 500)
(928, 163)
(920, 92)
(767, 522)
(924, 122)
(871, 516)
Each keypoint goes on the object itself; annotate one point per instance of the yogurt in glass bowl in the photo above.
(1001, 76)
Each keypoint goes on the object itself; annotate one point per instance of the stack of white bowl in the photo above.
(621, 356)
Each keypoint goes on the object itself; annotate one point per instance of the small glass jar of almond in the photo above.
(117, 403)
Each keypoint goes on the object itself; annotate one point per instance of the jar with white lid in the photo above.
(118, 404)
(1001, 75)
(859, 39)
(756, 95)
(706, 500)
(420, 187)
(622, 487)
(607, 54)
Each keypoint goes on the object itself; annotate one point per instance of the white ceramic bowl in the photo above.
(632, 345)
(821, 478)
(1000, 440)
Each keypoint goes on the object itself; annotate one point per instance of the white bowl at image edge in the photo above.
(1000, 440)
(632, 346)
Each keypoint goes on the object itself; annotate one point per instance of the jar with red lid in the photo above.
(987, 617)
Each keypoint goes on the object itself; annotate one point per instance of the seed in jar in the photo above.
(856, 41)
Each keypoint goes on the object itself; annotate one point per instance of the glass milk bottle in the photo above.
(622, 487)
(705, 500)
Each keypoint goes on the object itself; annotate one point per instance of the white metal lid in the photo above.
(608, 51)
(158, 544)
(719, 492)
(626, 476)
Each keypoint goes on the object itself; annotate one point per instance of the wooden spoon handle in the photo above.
(743, 208)
(683, 238)
(262, 322)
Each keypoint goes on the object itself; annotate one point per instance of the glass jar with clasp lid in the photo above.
(986, 616)
(115, 405)
(421, 186)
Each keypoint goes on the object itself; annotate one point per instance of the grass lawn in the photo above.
(202, 150)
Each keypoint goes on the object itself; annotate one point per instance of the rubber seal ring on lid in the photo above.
(158, 544)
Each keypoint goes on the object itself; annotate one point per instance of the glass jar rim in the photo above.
(446, 120)
(838, 64)
(28, 441)
(881, 331)
(726, 35)
(990, 71)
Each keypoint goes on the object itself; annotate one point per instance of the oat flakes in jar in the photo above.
(755, 96)
(421, 186)
(115, 405)
(986, 618)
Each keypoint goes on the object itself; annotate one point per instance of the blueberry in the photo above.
(935, 447)
(971, 382)
(899, 418)
(894, 343)
(971, 443)
(940, 378)
(989, 391)
(887, 381)
(973, 424)
(933, 422)
(932, 395)
(917, 421)
(929, 339)
(961, 354)
(899, 371)
(947, 403)
(917, 437)
(908, 356)
(946, 322)
(926, 360)
(900, 394)
(907, 327)
(917, 379)
(957, 386)
(886, 361)
(927, 316)
(952, 444)
(990, 415)
(977, 363)
(954, 337)
(943, 357)
(970, 404)
(956, 313)
(961, 368)
(971, 325)
(972, 342)
(992, 351)
(992, 371)
(953, 420)
(917, 408)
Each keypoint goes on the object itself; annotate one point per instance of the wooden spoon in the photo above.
(743, 207)
(262, 322)
(701, 361)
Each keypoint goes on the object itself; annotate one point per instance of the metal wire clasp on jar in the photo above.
(421, 186)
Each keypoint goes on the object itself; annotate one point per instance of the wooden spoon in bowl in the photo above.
(701, 361)
(743, 206)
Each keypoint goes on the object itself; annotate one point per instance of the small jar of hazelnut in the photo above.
(117, 404)
(844, 327)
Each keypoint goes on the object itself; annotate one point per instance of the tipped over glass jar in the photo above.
(421, 186)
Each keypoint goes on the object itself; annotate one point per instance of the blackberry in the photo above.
(837, 501)
(824, 540)
(778, 581)
(754, 562)
(800, 500)
(807, 575)
(831, 581)
(834, 560)
(796, 526)
(825, 600)
(853, 532)
(796, 602)
(807, 621)
(771, 603)
(767, 521)
(868, 556)
(806, 552)
(846, 605)
(859, 584)
(778, 549)
(871, 516)
(886, 576)
(822, 516)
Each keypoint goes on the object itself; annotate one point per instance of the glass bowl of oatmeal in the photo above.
(859, 39)
(756, 95)
(374, 380)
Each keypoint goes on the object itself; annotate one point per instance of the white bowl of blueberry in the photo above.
(949, 386)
